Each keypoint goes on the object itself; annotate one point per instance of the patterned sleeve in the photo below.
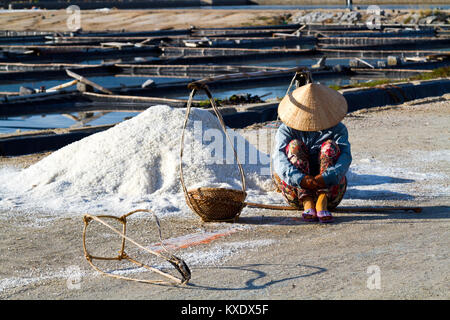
(282, 166)
(334, 174)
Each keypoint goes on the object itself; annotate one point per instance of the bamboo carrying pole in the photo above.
(341, 209)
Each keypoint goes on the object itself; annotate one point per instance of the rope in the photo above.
(188, 110)
(178, 263)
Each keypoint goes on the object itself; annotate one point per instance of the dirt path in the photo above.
(269, 254)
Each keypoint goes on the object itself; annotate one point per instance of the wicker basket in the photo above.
(216, 204)
(213, 204)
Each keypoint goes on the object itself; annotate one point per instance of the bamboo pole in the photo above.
(198, 67)
(136, 98)
(62, 86)
(341, 209)
(365, 62)
(87, 81)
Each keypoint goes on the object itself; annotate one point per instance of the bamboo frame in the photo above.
(178, 263)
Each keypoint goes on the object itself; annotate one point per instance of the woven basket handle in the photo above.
(188, 110)
(222, 123)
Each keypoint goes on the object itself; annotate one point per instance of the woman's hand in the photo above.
(313, 183)
(308, 182)
(320, 182)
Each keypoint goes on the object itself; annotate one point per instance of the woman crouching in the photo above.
(312, 153)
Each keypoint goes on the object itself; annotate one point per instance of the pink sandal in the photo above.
(310, 215)
(325, 216)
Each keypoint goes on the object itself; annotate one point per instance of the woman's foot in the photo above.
(322, 209)
(310, 215)
(325, 216)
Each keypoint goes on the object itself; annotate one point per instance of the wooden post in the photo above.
(350, 4)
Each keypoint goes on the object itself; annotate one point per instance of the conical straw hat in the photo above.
(312, 107)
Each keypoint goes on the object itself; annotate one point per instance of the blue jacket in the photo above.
(313, 141)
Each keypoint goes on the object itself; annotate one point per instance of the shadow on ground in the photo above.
(258, 275)
(355, 180)
(290, 218)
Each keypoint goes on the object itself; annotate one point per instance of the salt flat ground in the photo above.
(134, 20)
(157, 19)
(273, 254)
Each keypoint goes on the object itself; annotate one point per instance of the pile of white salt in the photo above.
(135, 164)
